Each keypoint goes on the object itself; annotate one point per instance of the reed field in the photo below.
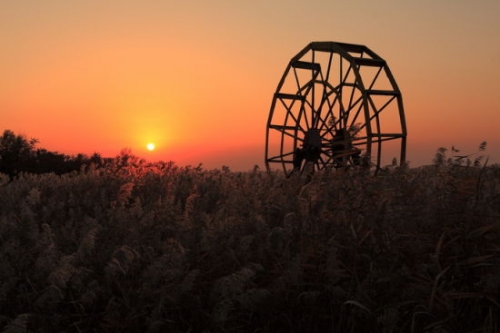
(137, 247)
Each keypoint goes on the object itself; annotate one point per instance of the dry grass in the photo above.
(162, 248)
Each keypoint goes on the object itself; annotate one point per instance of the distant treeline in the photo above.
(19, 154)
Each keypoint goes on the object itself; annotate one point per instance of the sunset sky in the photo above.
(196, 78)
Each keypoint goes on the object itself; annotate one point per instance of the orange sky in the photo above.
(197, 78)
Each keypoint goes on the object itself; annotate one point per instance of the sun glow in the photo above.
(150, 146)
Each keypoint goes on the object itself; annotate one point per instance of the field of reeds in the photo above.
(132, 247)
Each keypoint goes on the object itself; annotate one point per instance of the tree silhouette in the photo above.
(16, 151)
(20, 154)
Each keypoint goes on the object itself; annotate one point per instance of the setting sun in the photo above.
(150, 146)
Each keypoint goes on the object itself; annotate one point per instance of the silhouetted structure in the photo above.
(336, 105)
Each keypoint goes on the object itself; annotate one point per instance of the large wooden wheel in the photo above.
(337, 105)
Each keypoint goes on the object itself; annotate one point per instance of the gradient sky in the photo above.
(197, 77)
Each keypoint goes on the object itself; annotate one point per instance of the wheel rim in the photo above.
(336, 105)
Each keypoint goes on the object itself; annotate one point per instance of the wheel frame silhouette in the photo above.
(337, 105)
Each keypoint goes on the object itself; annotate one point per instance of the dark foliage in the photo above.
(19, 154)
(136, 247)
